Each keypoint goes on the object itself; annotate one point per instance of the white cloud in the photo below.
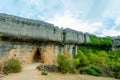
(111, 32)
(67, 20)
(114, 31)
(117, 22)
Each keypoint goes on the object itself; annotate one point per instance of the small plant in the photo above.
(38, 67)
(92, 70)
(44, 73)
(11, 66)
(66, 63)
(81, 59)
(115, 67)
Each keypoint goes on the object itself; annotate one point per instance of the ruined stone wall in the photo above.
(75, 37)
(50, 53)
(116, 43)
(71, 49)
(21, 51)
(26, 51)
(29, 29)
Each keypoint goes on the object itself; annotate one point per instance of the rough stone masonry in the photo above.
(36, 41)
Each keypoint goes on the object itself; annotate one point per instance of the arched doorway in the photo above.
(37, 56)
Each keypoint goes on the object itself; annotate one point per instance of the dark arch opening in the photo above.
(37, 56)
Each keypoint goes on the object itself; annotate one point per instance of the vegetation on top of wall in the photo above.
(102, 42)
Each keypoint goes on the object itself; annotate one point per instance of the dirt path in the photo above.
(29, 73)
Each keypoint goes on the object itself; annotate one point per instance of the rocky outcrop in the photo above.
(29, 29)
(116, 42)
(75, 37)
(87, 38)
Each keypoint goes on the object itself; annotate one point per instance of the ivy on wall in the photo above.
(102, 42)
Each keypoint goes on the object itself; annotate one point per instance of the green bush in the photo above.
(104, 43)
(115, 67)
(93, 58)
(66, 63)
(92, 70)
(44, 73)
(81, 59)
(11, 66)
(114, 63)
(114, 55)
(38, 67)
(107, 41)
(100, 55)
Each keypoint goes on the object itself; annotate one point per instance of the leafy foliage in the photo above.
(115, 67)
(108, 62)
(11, 66)
(66, 63)
(115, 63)
(81, 60)
(102, 42)
(92, 70)
(44, 73)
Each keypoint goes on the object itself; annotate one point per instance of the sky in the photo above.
(99, 17)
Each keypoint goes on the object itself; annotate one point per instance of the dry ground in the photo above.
(29, 73)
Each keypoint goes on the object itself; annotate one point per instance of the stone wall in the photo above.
(29, 29)
(25, 52)
(50, 39)
(71, 49)
(75, 37)
(116, 42)
(86, 38)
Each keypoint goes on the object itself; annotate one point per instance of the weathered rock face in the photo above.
(5, 46)
(87, 38)
(116, 42)
(81, 38)
(28, 53)
(32, 40)
(70, 36)
(75, 37)
(29, 29)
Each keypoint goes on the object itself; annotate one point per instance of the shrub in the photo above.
(92, 70)
(49, 68)
(38, 67)
(115, 67)
(81, 59)
(114, 63)
(11, 66)
(104, 59)
(93, 58)
(44, 73)
(66, 63)
(114, 55)
(101, 41)
(100, 58)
